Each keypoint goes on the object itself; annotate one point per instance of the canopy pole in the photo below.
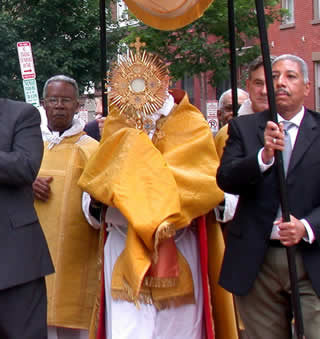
(103, 57)
(233, 57)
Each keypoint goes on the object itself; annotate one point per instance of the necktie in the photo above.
(286, 153)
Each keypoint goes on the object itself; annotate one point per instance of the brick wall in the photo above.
(302, 39)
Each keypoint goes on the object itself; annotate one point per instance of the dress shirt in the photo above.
(293, 132)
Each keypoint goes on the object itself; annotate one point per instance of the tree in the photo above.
(202, 46)
(64, 37)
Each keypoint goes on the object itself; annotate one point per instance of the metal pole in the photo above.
(103, 57)
(291, 251)
(233, 57)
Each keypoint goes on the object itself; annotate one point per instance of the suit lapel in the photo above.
(307, 133)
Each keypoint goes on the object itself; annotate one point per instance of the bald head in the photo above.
(225, 112)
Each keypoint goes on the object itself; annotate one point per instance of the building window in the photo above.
(289, 6)
(317, 85)
(316, 10)
(188, 85)
(222, 87)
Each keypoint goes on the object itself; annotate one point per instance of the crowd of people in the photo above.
(166, 231)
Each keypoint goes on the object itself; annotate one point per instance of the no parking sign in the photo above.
(26, 60)
(212, 115)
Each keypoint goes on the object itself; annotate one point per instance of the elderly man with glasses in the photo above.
(72, 243)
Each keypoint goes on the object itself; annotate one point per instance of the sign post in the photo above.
(28, 73)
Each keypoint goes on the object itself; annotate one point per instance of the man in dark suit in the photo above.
(24, 255)
(94, 128)
(255, 266)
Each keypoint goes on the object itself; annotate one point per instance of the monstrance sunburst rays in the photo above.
(138, 85)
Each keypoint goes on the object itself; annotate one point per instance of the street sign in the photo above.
(26, 60)
(212, 115)
(31, 92)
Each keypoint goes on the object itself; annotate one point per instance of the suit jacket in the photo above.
(239, 173)
(24, 255)
(92, 129)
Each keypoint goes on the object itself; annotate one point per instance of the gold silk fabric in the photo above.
(168, 14)
(160, 186)
(73, 243)
(224, 315)
(221, 139)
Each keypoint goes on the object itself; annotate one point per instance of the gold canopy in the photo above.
(167, 14)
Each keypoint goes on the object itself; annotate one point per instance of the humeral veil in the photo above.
(173, 180)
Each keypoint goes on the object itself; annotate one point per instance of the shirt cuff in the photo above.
(225, 213)
(310, 238)
(86, 200)
(262, 165)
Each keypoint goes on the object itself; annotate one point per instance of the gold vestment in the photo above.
(173, 181)
(73, 243)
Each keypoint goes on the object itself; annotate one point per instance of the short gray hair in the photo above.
(303, 65)
(62, 78)
(257, 63)
(228, 91)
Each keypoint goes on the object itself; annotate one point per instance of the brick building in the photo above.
(299, 34)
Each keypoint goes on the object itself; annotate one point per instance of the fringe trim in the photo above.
(127, 294)
(165, 230)
(160, 282)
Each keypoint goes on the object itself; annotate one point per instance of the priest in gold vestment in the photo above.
(72, 242)
(156, 173)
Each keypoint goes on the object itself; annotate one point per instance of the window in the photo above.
(222, 87)
(289, 6)
(317, 84)
(316, 11)
(188, 86)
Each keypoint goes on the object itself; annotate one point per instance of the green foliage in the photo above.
(203, 45)
(65, 39)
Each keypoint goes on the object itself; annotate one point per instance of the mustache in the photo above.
(282, 91)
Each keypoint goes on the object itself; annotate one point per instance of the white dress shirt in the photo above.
(293, 132)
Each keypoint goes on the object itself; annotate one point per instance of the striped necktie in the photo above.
(286, 153)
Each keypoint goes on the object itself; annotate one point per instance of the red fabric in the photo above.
(203, 248)
(177, 94)
(101, 332)
(167, 264)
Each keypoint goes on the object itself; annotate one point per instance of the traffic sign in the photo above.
(212, 115)
(26, 60)
(31, 92)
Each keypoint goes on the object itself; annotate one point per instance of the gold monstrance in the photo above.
(139, 84)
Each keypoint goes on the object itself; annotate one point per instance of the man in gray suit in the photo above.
(24, 255)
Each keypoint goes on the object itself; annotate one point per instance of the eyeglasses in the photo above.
(228, 108)
(55, 100)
